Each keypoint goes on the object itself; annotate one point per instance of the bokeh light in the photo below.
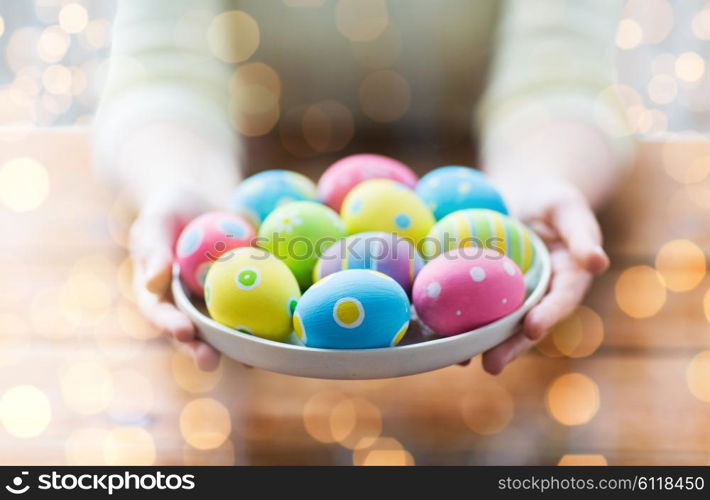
(221, 456)
(487, 410)
(698, 376)
(133, 396)
(640, 291)
(85, 298)
(355, 423)
(384, 96)
(583, 460)
(129, 446)
(205, 423)
(572, 399)
(689, 67)
(233, 36)
(328, 126)
(53, 44)
(86, 446)
(361, 20)
(73, 18)
(189, 377)
(579, 335)
(87, 387)
(682, 265)
(24, 184)
(316, 415)
(384, 451)
(628, 34)
(25, 411)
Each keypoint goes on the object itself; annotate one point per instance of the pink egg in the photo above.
(467, 288)
(346, 173)
(204, 240)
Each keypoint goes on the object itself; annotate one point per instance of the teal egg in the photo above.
(353, 309)
(259, 195)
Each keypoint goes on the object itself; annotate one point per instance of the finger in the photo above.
(166, 316)
(579, 229)
(205, 356)
(567, 289)
(494, 360)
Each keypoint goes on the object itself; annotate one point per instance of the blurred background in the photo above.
(55, 60)
(85, 380)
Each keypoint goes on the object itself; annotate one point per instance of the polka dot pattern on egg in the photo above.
(189, 241)
(478, 274)
(348, 312)
(247, 278)
(433, 290)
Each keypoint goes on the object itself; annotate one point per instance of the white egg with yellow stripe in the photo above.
(352, 309)
(482, 228)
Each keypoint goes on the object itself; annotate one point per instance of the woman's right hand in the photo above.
(152, 240)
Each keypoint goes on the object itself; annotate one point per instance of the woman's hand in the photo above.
(562, 217)
(152, 240)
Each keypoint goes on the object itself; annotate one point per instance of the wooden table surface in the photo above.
(84, 380)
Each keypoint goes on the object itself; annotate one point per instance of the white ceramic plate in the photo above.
(419, 352)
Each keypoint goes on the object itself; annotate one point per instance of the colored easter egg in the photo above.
(385, 205)
(254, 292)
(298, 233)
(448, 189)
(257, 196)
(383, 252)
(467, 288)
(204, 240)
(346, 173)
(482, 228)
(352, 309)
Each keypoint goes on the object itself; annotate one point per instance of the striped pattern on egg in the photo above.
(482, 228)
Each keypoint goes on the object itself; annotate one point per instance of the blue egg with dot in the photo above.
(448, 189)
(352, 309)
(260, 194)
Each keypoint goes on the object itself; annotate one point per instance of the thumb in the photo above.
(158, 271)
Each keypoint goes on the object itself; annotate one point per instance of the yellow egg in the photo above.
(385, 205)
(252, 291)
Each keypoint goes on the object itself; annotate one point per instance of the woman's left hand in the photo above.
(562, 217)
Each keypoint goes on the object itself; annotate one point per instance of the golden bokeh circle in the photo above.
(628, 34)
(129, 446)
(384, 95)
(361, 20)
(327, 126)
(580, 334)
(689, 67)
(640, 291)
(384, 451)
(487, 410)
(233, 36)
(188, 375)
(205, 423)
(25, 411)
(682, 265)
(73, 18)
(572, 399)
(355, 423)
(316, 415)
(698, 376)
(575, 460)
(24, 184)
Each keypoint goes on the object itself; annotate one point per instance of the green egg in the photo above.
(298, 233)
